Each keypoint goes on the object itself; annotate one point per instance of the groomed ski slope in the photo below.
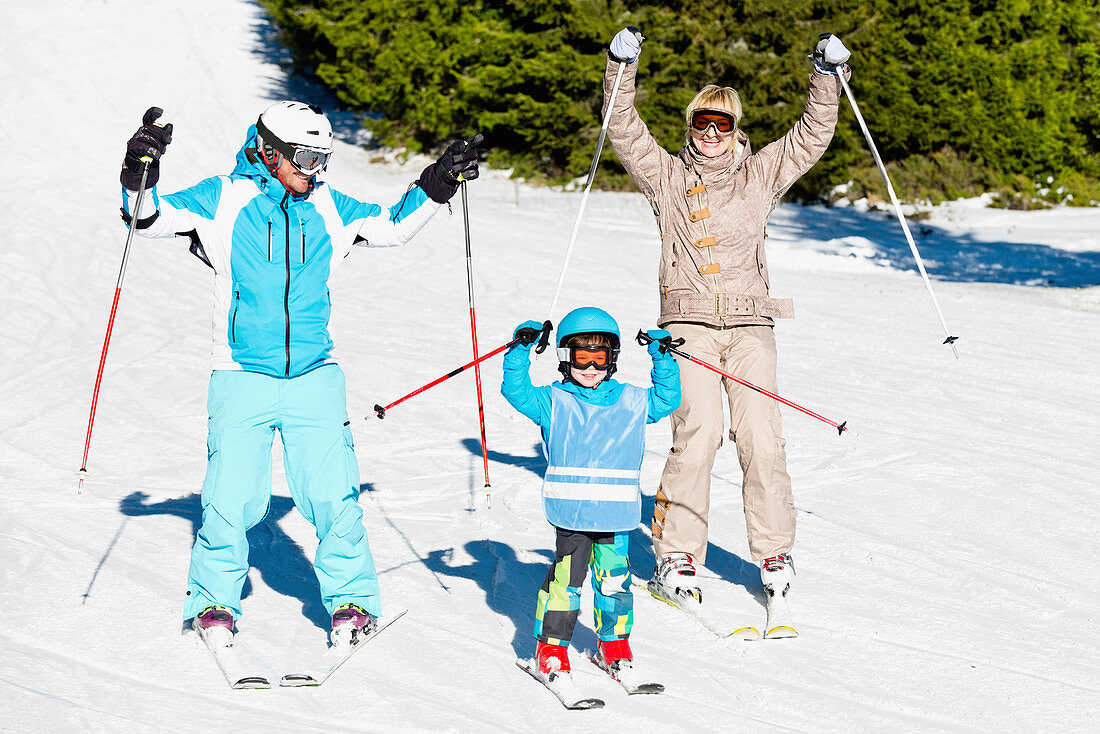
(946, 554)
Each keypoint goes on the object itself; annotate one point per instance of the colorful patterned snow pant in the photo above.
(560, 598)
(680, 514)
(322, 474)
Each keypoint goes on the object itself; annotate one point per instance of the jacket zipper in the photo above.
(233, 324)
(302, 227)
(269, 240)
(286, 292)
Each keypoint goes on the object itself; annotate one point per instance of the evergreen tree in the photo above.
(962, 95)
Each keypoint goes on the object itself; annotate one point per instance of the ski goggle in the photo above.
(723, 122)
(308, 160)
(584, 357)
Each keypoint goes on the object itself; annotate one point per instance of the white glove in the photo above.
(626, 45)
(830, 53)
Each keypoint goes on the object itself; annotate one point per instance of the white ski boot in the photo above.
(776, 573)
(674, 578)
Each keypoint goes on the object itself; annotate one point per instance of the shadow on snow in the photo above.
(282, 563)
(948, 256)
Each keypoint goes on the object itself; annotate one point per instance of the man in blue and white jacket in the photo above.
(273, 232)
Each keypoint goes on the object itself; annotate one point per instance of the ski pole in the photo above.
(380, 410)
(83, 473)
(671, 346)
(588, 185)
(473, 337)
(950, 340)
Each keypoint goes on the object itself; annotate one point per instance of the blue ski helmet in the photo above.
(587, 320)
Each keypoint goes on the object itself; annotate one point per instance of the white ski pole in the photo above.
(950, 340)
(588, 186)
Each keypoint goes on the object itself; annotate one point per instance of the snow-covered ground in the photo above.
(947, 576)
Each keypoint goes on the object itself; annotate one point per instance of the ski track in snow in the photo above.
(945, 580)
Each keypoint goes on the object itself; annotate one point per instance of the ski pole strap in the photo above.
(544, 340)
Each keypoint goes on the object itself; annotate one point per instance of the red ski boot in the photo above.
(615, 652)
(551, 658)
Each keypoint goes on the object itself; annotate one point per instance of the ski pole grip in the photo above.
(472, 142)
(666, 342)
(544, 340)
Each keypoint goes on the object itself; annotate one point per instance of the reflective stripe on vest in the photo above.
(595, 456)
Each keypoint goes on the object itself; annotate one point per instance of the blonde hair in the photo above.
(714, 97)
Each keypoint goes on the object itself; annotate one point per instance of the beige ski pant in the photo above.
(683, 499)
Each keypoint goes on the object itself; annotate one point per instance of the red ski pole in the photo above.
(380, 410)
(83, 473)
(645, 339)
(473, 337)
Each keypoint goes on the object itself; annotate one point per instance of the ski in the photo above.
(692, 605)
(319, 671)
(562, 686)
(239, 666)
(780, 623)
(627, 676)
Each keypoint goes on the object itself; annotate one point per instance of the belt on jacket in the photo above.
(723, 304)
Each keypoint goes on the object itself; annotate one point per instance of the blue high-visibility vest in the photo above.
(594, 454)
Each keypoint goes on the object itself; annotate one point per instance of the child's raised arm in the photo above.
(533, 402)
(664, 396)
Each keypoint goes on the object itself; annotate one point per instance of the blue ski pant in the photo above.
(559, 600)
(309, 411)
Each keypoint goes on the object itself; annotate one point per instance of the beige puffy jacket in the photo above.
(712, 213)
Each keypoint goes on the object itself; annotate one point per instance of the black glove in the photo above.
(150, 140)
(528, 332)
(458, 163)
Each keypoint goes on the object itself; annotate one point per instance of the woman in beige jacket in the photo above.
(712, 201)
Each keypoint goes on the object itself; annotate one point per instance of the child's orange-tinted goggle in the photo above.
(584, 357)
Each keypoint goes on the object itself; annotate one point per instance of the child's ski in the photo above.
(319, 671)
(239, 666)
(561, 685)
(627, 676)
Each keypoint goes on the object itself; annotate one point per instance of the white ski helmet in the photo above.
(299, 131)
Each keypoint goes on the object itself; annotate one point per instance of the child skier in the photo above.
(593, 433)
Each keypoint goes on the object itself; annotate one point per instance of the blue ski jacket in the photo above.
(593, 439)
(534, 402)
(273, 254)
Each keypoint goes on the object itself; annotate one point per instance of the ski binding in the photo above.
(562, 685)
(689, 601)
(627, 676)
(236, 662)
(318, 672)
